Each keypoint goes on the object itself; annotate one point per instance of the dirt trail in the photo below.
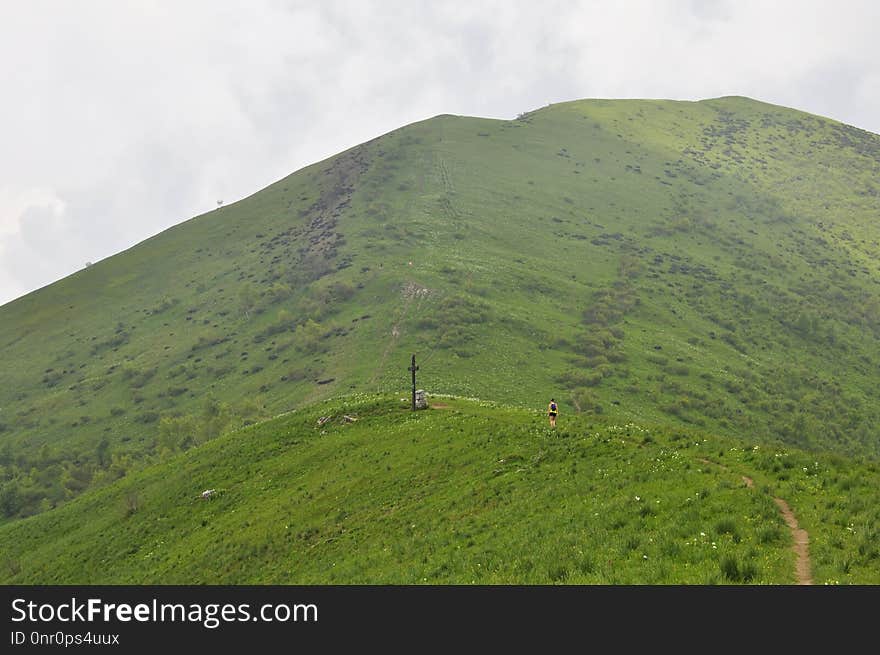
(800, 537)
(801, 543)
(409, 293)
(380, 367)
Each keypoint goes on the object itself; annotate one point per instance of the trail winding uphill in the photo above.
(801, 543)
(800, 537)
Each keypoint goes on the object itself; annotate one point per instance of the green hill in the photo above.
(708, 266)
(465, 492)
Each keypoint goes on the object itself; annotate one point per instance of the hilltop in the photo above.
(708, 266)
(363, 490)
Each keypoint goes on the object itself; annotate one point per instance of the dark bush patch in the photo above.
(147, 417)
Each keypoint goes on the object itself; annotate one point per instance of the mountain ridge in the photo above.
(705, 263)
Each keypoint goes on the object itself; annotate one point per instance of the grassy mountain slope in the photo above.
(465, 492)
(709, 264)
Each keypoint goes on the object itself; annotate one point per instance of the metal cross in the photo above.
(413, 368)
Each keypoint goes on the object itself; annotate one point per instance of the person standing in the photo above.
(552, 412)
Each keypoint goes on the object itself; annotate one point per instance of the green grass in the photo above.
(707, 266)
(471, 493)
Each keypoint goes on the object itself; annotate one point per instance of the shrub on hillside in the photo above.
(585, 401)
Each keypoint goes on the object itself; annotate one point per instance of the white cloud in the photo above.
(121, 118)
(13, 204)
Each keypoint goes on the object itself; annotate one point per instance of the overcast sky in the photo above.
(120, 118)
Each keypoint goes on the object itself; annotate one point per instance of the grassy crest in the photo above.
(465, 492)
